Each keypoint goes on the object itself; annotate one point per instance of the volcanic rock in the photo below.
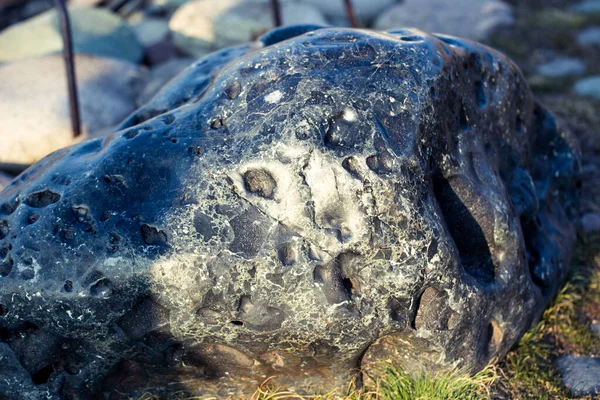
(311, 204)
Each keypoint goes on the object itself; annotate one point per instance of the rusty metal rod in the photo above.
(351, 14)
(67, 37)
(276, 12)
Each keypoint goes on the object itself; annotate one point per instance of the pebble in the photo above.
(589, 87)
(203, 25)
(586, 7)
(95, 31)
(581, 375)
(150, 30)
(562, 67)
(590, 223)
(34, 107)
(363, 9)
(589, 36)
(474, 19)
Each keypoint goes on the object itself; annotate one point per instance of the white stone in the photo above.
(95, 31)
(34, 105)
(204, 25)
(473, 19)
(364, 9)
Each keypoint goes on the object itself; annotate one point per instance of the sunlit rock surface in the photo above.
(293, 208)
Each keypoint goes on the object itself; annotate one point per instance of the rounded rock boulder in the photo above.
(302, 207)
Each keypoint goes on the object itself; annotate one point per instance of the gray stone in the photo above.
(204, 25)
(160, 75)
(596, 328)
(590, 223)
(150, 31)
(589, 36)
(304, 207)
(589, 87)
(562, 67)
(587, 7)
(476, 19)
(95, 31)
(34, 106)
(581, 375)
(363, 9)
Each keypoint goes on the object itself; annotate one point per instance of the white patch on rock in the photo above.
(274, 97)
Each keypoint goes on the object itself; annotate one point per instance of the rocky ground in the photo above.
(128, 49)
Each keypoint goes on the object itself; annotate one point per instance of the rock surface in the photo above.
(204, 25)
(95, 31)
(299, 211)
(475, 19)
(581, 375)
(34, 107)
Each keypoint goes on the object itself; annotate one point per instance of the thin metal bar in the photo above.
(351, 14)
(276, 13)
(65, 30)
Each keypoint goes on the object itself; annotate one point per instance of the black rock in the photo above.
(300, 207)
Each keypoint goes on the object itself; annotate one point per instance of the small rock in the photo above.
(474, 19)
(588, 87)
(562, 67)
(95, 31)
(150, 31)
(363, 9)
(590, 223)
(589, 36)
(34, 107)
(203, 25)
(581, 375)
(160, 75)
(587, 7)
(596, 328)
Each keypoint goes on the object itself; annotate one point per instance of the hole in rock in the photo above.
(238, 323)
(464, 228)
(42, 198)
(42, 375)
(493, 337)
(3, 310)
(530, 228)
(3, 228)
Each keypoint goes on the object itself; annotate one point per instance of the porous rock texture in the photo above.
(301, 207)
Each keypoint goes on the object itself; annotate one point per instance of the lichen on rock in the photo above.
(301, 207)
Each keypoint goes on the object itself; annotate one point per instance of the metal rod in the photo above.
(276, 13)
(67, 37)
(351, 14)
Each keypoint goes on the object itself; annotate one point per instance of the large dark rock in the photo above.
(297, 208)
